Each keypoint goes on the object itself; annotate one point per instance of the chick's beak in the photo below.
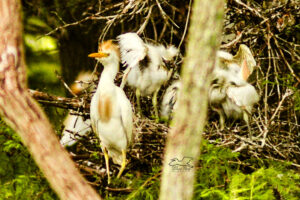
(98, 55)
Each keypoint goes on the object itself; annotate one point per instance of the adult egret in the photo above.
(111, 111)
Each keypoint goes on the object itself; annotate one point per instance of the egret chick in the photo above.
(170, 100)
(76, 126)
(111, 111)
(230, 93)
(147, 68)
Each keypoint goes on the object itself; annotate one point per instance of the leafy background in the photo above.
(221, 174)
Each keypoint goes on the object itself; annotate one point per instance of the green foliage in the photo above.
(43, 65)
(19, 176)
(264, 183)
(145, 187)
(220, 177)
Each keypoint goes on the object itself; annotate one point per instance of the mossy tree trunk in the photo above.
(184, 138)
(23, 114)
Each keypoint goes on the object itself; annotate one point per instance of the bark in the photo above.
(23, 114)
(185, 137)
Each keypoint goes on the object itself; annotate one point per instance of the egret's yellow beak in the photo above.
(98, 55)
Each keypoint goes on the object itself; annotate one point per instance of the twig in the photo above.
(57, 101)
(142, 186)
(65, 84)
(286, 62)
(141, 29)
(250, 9)
(119, 189)
(186, 24)
(228, 45)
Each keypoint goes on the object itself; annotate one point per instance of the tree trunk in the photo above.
(183, 143)
(22, 113)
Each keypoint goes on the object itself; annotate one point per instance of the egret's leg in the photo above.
(123, 163)
(154, 102)
(246, 119)
(222, 118)
(138, 100)
(107, 164)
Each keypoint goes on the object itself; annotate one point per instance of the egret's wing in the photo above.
(243, 96)
(244, 54)
(75, 127)
(170, 99)
(224, 56)
(132, 49)
(126, 114)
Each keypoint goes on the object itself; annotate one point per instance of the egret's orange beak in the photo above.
(98, 55)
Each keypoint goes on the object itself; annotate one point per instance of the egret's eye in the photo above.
(233, 83)
(215, 81)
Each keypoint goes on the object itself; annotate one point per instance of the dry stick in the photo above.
(138, 9)
(172, 28)
(114, 18)
(144, 184)
(284, 161)
(67, 25)
(290, 43)
(267, 76)
(92, 17)
(165, 16)
(274, 147)
(90, 170)
(186, 24)
(240, 148)
(154, 28)
(276, 74)
(65, 84)
(239, 36)
(286, 62)
(162, 31)
(255, 12)
(119, 189)
(142, 28)
(286, 94)
(61, 102)
(106, 29)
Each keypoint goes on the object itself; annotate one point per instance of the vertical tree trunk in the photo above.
(190, 117)
(22, 113)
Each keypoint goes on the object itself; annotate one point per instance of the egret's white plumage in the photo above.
(170, 100)
(230, 93)
(111, 111)
(146, 69)
(76, 126)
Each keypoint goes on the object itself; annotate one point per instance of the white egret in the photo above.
(146, 65)
(230, 93)
(111, 111)
(170, 100)
(75, 126)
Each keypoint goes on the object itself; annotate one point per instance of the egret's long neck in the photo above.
(109, 73)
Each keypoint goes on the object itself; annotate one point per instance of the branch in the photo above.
(60, 102)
